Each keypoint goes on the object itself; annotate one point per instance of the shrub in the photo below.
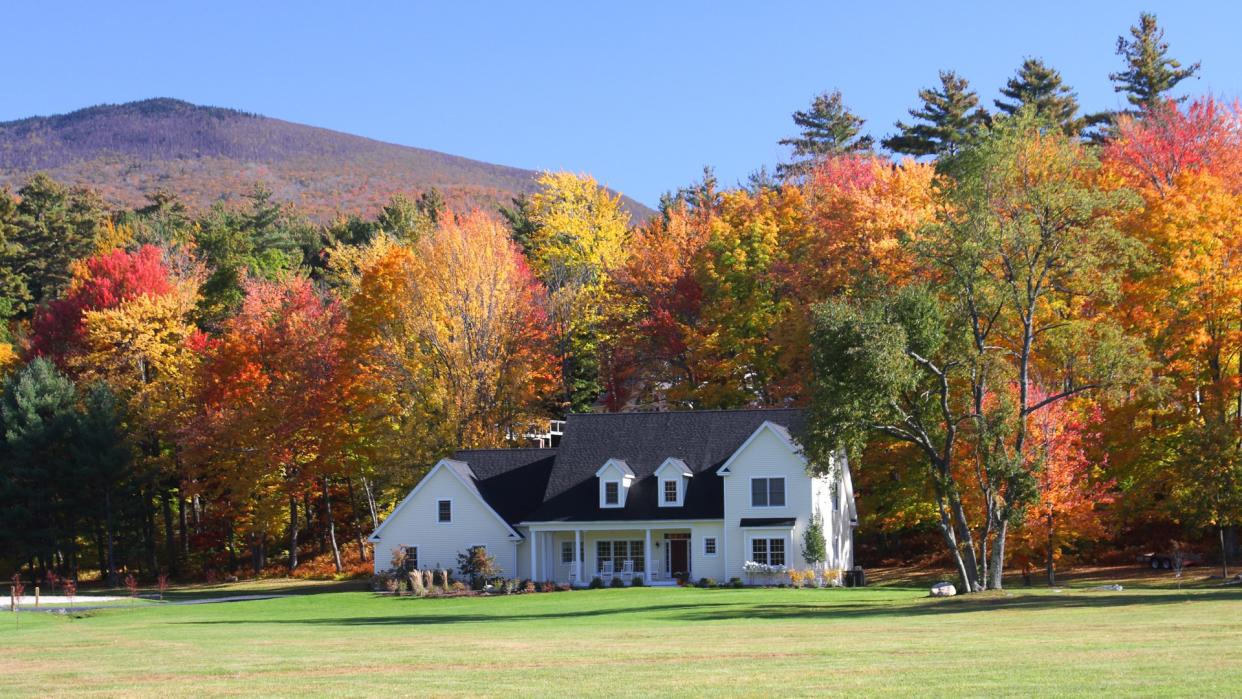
(736, 583)
(795, 578)
(548, 587)
(511, 586)
(439, 578)
(706, 582)
(528, 586)
(428, 580)
(638, 581)
(458, 586)
(564, 587)
(597, 583)
(616, 582)
(416, 584)
(477, 566)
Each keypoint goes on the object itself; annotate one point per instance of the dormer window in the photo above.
(673, 476)
(615, 478)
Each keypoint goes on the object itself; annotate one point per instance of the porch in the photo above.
(659, 554)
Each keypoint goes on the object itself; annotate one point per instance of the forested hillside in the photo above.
(1028, 337)
(129, 150)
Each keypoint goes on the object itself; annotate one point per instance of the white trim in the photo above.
(375, 535)
(751, 492)
(715, 546)
(451, 510)
(777, 430)
(625, 479)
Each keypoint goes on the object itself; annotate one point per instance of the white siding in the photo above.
(766, 456)
(439, 543)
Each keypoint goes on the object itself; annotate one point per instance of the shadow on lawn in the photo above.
(431, 619)
(810, 610)
(957, 605)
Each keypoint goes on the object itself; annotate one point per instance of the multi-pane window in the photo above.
(612, 493)
(769, 551)
(444, 511)
(410, 562)
(709, 546)
(619, 552)
(767, 492)
(567, 551)
(670, 492)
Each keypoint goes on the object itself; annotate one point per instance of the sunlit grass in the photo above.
(641, 642)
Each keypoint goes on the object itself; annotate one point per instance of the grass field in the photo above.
(639, 642)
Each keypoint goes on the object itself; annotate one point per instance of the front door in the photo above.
(679, 557)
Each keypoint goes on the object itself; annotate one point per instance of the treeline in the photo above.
(1030, 338)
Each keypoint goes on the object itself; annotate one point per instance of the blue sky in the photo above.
(642, 95)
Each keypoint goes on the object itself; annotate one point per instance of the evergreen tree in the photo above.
(522, 227)
(54, 227)
(1150, 72)
(41, 492)
(828, 128)
(102, 456)
(950, 113)
(1041, 88)
(814, 546)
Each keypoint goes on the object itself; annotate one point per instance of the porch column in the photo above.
(647, 562)
(578, 556)
(534, 537)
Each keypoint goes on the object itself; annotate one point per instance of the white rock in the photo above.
(943, 589)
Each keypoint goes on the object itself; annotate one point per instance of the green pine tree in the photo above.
(1041, 88)
(949, 114)
(1150, 72)
(828, 128)
(522, 227)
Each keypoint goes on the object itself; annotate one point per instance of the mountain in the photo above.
(205, 153)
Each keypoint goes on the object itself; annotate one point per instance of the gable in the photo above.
(449, 480)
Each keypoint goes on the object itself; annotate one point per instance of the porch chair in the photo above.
(605, 572)
(627, 570)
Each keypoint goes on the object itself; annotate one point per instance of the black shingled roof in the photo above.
(559, 484)
(512, 481)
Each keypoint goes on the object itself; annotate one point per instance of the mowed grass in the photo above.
(642, 642)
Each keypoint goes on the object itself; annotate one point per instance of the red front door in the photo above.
(679, 557)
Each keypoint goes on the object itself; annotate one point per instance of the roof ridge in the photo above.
(683, 412)
(460, 451)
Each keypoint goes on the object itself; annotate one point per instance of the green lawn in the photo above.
(641, 642)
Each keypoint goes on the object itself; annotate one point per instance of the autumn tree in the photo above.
(578, 244)
(948, 117)
(827, 128)
(1022, 242)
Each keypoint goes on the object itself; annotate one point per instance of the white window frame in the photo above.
(784, 491)
(677, 495)
(715, 546)
(783, 538)
(451, 510)
(568, 546)
(603, 493)
(407, 550)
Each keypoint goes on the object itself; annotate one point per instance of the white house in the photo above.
(658, 494)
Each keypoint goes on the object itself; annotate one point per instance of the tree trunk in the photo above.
(998, 558)
(148, 526)
(1052, 574)
(293, 532)
(256, 554)
(1224, 559)
(184, 523)
(170, 534)
(353, 507)
(366, 487)
(111, 570)
(327, 506)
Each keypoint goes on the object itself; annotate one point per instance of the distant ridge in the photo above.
(204, 153)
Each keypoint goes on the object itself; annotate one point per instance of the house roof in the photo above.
(544, 485)
(512, 481)
(702, 439)
(766, 522)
